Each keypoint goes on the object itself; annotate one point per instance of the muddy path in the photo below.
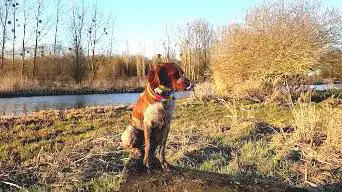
(190, 180)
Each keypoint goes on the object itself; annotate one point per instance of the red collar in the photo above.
(157, 96)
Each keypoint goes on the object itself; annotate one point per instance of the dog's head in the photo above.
(170, 76)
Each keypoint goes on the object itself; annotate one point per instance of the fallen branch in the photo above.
(13, 185)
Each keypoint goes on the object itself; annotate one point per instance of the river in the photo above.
(24, 105)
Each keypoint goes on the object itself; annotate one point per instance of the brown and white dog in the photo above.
(151, 115)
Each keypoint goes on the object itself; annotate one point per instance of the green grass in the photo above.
(257, 140)
(70, 142)
(78, 149)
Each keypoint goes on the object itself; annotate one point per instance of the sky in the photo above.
(145, 22)
(142, 24)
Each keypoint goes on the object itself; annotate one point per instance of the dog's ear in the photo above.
(163, 77)
(158, 75)
(153, 77)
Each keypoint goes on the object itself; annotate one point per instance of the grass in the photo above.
(261, 140)
(61, 148)
(78, 149)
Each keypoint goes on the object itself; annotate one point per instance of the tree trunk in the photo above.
(35, 53)
(56, 27)
(23, 49)
(4, 30)
(14, 37)
(34, 70)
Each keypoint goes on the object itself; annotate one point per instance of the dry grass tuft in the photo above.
(204, 91)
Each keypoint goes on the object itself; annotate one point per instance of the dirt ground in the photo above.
(190, 180)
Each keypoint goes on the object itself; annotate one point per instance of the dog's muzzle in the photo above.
(189, 87)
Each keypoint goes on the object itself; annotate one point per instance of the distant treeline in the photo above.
(65, 69)
(87, 54)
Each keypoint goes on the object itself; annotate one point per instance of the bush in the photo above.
(332, 64)
(204, 91)
(275, 41)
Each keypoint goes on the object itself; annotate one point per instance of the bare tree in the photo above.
(140, 61)
(4, 17)
(125, 56)
(77, 26)
(14, 11)
(111, 39)
(58, 9)
(98, 28)
(196, 39)
(37, 34)
(168, 46)
(23, 48)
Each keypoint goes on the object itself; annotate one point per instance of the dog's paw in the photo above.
(149, 171)
(136, 165)
(135, 153)
(148, 166)
(166, 166)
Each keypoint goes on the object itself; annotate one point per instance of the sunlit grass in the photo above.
(78, 149)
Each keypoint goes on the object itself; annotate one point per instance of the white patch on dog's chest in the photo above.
(159, 113)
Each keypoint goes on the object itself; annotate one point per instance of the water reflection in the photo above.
(23, 105)
(324, 87)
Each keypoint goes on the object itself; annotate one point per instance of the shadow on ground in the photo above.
(187, 180)
(109, 163)
(183, 179)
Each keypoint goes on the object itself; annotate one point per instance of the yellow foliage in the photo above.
(274, 39)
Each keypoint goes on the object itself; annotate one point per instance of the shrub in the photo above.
(275, 41)
(204, 91)
(332, 64)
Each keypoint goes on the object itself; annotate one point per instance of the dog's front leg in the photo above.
(165, 165)
(147, 155)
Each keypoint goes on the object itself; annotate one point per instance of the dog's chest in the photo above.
(159, 113)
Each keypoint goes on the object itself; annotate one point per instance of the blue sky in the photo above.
(142, 23)
(145, 22)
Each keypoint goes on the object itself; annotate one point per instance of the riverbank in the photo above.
(322, 90)
(66, 91)
(78, 149)
(26, 88)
